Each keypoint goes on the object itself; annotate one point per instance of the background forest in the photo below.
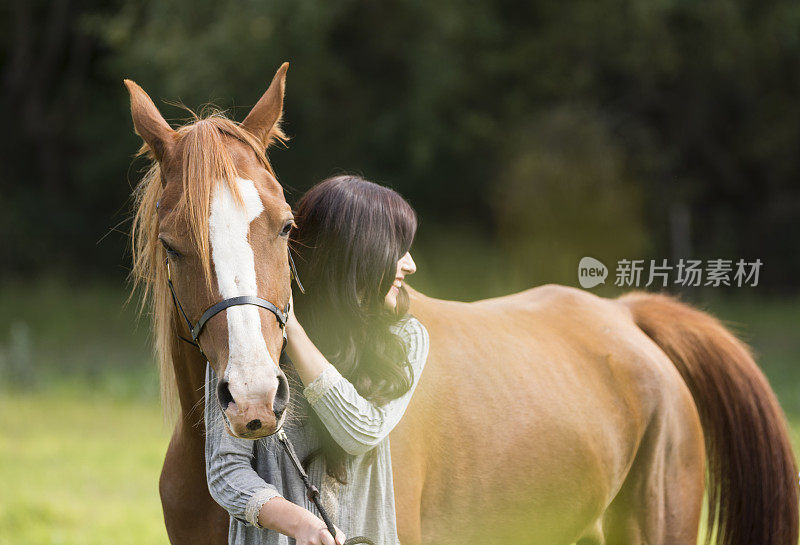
(526, 134)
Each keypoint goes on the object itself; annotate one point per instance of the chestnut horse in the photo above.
(550, 417)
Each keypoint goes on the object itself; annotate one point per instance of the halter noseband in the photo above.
(282, 315)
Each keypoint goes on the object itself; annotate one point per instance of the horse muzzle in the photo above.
(254, 408)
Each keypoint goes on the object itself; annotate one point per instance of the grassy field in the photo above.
(80, 467)
(81, 436)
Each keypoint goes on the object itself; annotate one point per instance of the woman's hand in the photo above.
(291, 322)
(312, 531)
(290, 519)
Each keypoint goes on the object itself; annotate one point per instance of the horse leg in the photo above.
(191, 515)
(661, 499)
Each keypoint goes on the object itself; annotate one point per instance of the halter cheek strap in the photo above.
(178, 306)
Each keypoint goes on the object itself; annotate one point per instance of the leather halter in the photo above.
(196, 329)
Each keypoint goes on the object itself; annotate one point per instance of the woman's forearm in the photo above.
(306, 357)
(353, 421)
(283, 516)
(355, 426)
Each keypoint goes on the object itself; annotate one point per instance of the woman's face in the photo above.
(405, 266)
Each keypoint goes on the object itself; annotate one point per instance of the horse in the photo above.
(208, 203)
(550, 416)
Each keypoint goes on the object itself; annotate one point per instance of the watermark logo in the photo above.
(635, 273)
(591, 272)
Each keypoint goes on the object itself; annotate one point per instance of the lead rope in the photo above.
(313, 492)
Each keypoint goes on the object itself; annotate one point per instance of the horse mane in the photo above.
(205, 162)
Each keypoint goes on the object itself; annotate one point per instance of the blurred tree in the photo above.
(54, 191)
(565, 194)
(695, 104)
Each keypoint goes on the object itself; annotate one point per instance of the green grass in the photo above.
(80, 467)
(81, 435)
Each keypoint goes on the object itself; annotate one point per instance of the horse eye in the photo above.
(287, 229)
(170, 252)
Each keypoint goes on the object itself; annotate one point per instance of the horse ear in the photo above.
(149, 123)
(263, 120)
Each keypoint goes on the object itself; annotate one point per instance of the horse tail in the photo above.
(752, 473)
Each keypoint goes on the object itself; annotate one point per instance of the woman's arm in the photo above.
(236, 486)
(231, 479)
(355, 423)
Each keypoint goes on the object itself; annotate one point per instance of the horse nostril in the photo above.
(281, 396)
(224, 394)
(253, 425)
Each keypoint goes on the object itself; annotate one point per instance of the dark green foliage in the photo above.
(473, 110)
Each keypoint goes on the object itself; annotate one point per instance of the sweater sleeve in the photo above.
(355, 423)
(232, 481)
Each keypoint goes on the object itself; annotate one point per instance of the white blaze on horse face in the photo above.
(248, 371)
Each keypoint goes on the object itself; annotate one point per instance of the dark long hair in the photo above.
(349, 235)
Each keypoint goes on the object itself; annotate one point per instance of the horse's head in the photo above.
(212, 218)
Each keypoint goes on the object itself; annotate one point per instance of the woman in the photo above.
(355, 362)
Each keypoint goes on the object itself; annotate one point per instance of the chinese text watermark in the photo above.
(635, 273)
